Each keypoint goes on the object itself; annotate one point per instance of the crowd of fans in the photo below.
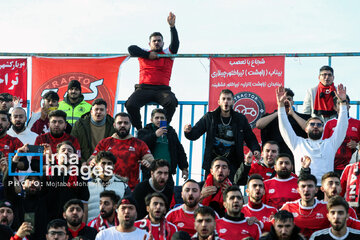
(84, 181)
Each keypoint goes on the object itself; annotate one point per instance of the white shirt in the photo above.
(113, 234)
(321, 152)
(26, 136)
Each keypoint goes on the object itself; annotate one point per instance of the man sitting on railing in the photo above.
(155, 75)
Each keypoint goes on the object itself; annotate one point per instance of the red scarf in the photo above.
(101, 224)
(324, 100)
(76, 233)
(353, 185)
(164, 232)
(218, 197)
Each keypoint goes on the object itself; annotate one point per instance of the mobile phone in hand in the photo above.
(163, 123)
(35, 149)
(30, 218)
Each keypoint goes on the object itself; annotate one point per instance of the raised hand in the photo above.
(305, 162)
(341, 92)
(280, 96)
(171, 19)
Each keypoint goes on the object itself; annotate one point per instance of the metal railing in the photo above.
(203, 105)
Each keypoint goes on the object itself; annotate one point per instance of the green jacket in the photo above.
(74, 111)
(82, 132)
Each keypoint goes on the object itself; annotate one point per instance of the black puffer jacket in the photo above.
(241, 129)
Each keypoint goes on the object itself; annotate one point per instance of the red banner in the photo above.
(98, 78)
(253, 81)
(13, 78)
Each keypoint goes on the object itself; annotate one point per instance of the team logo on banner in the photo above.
(91, 87)
(250, 105)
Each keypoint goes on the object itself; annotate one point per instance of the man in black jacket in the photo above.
(283, 228)
(73, 214)
(164, 143)
(157, 183)
(226, 132)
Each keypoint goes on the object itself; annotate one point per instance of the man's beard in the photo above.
(338, 227)
(156, 218)
(283, 174)
(191, 205)
(20, 128)
(106, 214)
(122, 134)
(127, 224)
(56, 135)
(4, 130)
(315, 136)
(75, 222)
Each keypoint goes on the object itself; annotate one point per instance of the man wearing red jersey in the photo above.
(155, 76)
(309, 213)
(264, 167)
(234, 224)
(154, 222)
(57, 134)
(255, 207)
(9, 144)
(183, 216)
(352, 138)
(128, 150)
(350, 184)
(216, 182)
(330, 185)
(281, 188)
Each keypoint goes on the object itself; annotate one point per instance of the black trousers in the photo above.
(144, 94)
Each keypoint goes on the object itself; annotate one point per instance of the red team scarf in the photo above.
(164, 227)
(324, 103)
(76, 233)
(101, 224)
(352, 186)
(218, 197)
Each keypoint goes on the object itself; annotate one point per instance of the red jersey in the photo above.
(228, 229)
(350, 184)
(48, 138)
(344, 153)
(128, 153)
(279, 191)
(184, 220)
(155, 229)
(262, 214)
(156, 72)
(308, 219)
(9, 144)
(261, 169)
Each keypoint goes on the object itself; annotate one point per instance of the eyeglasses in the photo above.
(53, 233)
(312, 124)
(326, 74)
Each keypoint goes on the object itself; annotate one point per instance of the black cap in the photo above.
(74, 84)
(181, 235)
(7, 204)
(7, 97)
(127, 200)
